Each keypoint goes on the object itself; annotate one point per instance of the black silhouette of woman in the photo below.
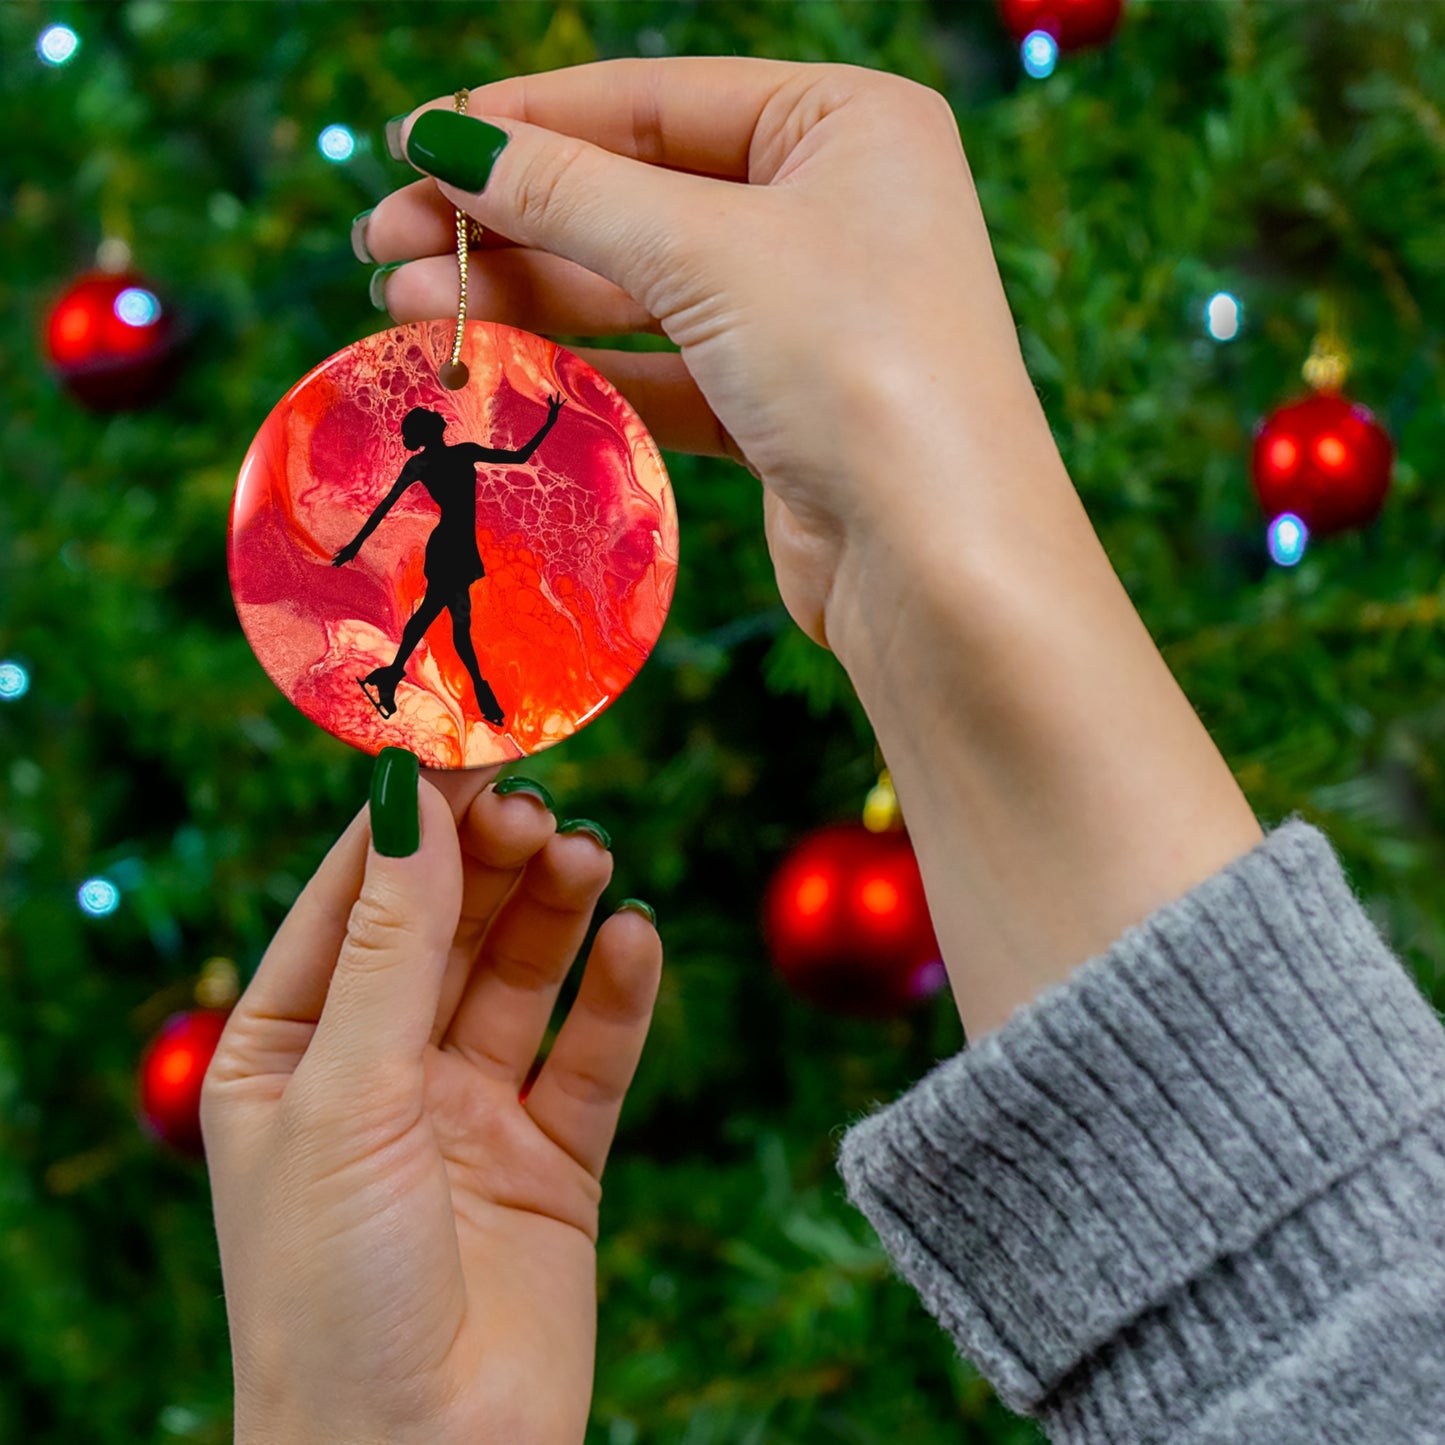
(452, 560)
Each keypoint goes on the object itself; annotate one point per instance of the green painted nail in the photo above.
(393, 137)
(586, 825)
(636, 905)
(359, 248)
(395, 810)
(377, 289)
(455, 148)
(516, 784)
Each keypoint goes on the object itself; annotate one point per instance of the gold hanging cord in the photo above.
(453, 373)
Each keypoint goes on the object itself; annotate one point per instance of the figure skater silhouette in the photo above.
(452, 561)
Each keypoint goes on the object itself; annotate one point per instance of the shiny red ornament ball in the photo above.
(112, 341)
(1324, 458)
(1073, 23)
(171, 1072)
(847, 924)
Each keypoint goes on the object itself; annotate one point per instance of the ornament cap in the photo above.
(113, 255)
(1327, 367)
(881, 813)
(218, 985)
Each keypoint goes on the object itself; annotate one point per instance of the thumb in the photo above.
(382, 1000)
(635, 224)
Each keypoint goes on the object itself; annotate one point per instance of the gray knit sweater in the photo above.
(1197, 1191)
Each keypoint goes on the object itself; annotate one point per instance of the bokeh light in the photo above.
(1223, 316)
(1040, 53)
(1287, 538)
(14, 681)
(813, 894)
(137, 307)
(98, 897)
(336, 143)
(57, 44)
(879, 897)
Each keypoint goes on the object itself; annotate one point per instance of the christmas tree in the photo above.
(1179, 214)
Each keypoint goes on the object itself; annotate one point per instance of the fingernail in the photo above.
(636, 905)
(393, 137)
(455, 148)
(377, 289)
(586, 825)
(395, 811)
(359, 247)
(516, 784)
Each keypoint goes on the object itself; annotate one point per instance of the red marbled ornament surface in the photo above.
(579, 544)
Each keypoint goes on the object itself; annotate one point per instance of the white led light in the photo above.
(1040, 53)
(14, 681)
(1287, 538)
(137, 306)
(337, 143)
(98, 897)
(1222, 316)
(57, 44)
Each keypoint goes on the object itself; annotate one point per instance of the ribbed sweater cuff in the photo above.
(1122, 1143)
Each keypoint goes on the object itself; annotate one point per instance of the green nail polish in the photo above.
(359, 248)
(636, 905)
(455, 148)
(516, 784)
(377, 289)
(395, 810)
(586, 825)
(393, 137)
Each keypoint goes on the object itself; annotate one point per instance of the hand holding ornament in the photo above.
(406, 1203)
(810, 237)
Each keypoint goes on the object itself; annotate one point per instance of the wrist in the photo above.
(1056, 782)
(967, 509)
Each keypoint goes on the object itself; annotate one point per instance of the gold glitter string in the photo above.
(453, 373)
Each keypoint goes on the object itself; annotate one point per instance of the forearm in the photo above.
(1056, 782)
(525, 454)
(367, 528)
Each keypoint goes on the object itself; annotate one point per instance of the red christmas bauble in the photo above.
(1324, 458)
(1072, 23)
(171, 1072)
(111, 340)
(847, 923)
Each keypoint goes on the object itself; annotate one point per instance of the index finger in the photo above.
(687, 112)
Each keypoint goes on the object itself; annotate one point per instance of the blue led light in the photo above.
(57, 44)
(1287, 538)
(337, 143)
(1223, 316)
(98, 897)
(137, 306)
(14, 681)
(1040, 53)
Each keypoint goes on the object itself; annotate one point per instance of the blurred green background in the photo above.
(1287, 153)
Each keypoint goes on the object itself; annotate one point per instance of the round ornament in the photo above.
(111, 341)
(1072, 23)
(1324, 458)
(471, 573)
(847, 922)
(172, 1070)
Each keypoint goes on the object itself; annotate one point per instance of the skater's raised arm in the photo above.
(349, 551)
(523, 454)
